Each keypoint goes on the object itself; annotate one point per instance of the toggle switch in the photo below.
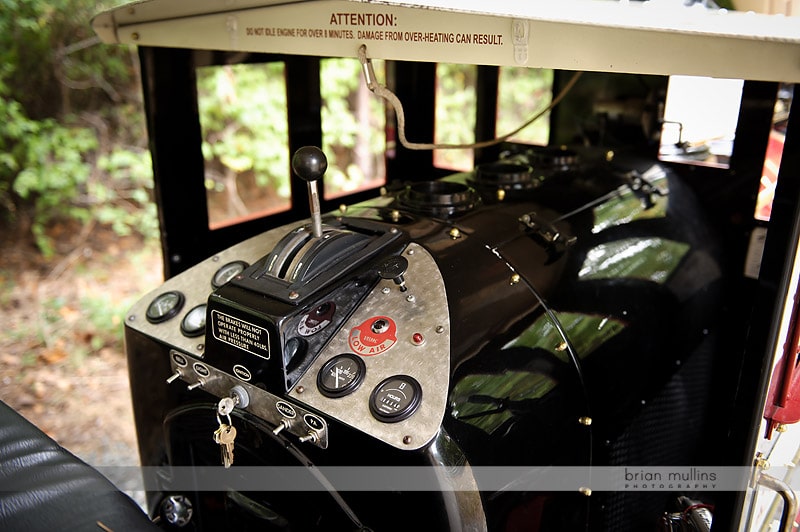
(283, 425)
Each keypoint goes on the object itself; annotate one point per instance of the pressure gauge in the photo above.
(341, 375)
(227, 272)
(164, 306)
(395, 398)
(194, 322)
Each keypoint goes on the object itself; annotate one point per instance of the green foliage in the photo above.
(456, 102)
(243, 115)
(353, 125)
(522, 93)
(61, 110)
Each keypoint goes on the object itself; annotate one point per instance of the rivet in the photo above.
(215, 258)
(200, 347)
(561, 347)
(585, 491)
(385, 290)
(343, 208)
(135, 36)
(410, 252)
(301, 389)
(410, 298)
(131, 11)
(132, 317)
(585, 420)
(514, 279)
(439, 329)
(407, 439)
(454, 233)
(293, 295)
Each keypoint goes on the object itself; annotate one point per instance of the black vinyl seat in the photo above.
(44, 487)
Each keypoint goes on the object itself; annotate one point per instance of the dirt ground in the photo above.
(62, 362)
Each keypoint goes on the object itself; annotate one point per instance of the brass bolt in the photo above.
(561, 347)
(609, 155)
(501, 194)
(585, 420)
(454, 233)
(585, 491)
(514, 279)
(343, 208)
(780, 427)
(395, 216)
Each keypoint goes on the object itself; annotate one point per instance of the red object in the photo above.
(367, 341)
(783, 399)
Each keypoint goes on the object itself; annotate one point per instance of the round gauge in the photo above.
(227, 272)
(341, 375)
(317, 319)
(194, 322)
(164, 306)
(395, 398)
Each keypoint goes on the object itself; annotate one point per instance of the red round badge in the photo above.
(374, 336)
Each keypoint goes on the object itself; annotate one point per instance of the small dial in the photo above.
(227, 272)
(164, 306)
(341, 375)
(317, 319)
(395, 398)
(194, 322)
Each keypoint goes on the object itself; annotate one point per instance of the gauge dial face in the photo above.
(194, 322)
(227, 272)
(317, 319)
(341, 375)
(395, 398)
(164, 306)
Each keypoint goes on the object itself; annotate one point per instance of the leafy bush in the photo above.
(62, 110)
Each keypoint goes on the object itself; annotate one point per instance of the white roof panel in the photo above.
(656, 37)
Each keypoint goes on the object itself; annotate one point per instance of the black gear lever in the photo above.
(310, 164)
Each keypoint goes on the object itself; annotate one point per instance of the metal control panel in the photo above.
(286, 416)
(386, 372)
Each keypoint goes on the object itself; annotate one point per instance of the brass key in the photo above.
(224, 436)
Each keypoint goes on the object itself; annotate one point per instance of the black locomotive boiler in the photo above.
(552, 309)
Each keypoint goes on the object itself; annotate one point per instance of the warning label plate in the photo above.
(241, 334)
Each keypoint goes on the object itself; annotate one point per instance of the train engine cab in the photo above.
(426, 357)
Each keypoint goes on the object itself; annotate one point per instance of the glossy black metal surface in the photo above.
(573, 305)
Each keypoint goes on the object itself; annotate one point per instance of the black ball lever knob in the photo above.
(309, 163)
